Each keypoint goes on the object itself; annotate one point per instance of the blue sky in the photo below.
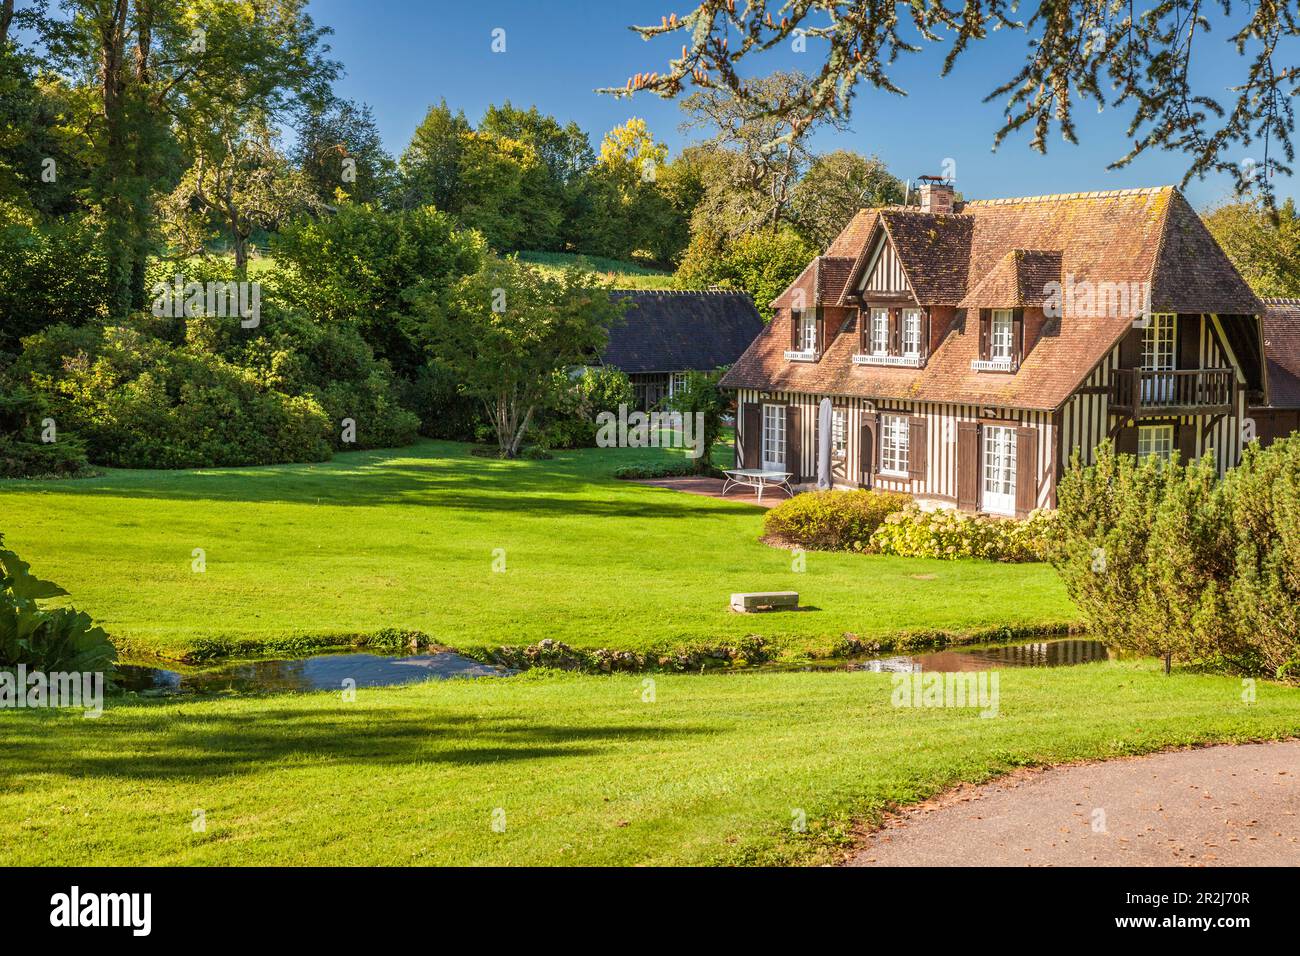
(403, 55)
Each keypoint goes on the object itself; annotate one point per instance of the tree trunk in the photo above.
(1169, 660)
(240, 244)
(117, 165)
(6, 18)
(519, 434)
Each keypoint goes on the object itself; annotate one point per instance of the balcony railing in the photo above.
(897, 361)
(1146, 394)
(801, 355)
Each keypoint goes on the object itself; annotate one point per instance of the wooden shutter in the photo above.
(1017, 336)
(1026, 470)
(821, 332)
(867, 449)
(1130, 349)
(986, 326)
(925, 334)
(968, 465)
(1188, 330)
(864, 318)
(916, 448)
(1185, 438)
(793, 445)
(895, 332)
(1126, 442)
(751, 435)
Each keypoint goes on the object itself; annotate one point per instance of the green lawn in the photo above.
(585, 771)
(319, 554)
(625, 275)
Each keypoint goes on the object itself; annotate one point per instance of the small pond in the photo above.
(322, 672)
(1059, 653)
(329, 671)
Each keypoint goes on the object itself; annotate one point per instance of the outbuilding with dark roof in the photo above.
(665, 334)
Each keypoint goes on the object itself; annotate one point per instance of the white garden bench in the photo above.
(758, 479)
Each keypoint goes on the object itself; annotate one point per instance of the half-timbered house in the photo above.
(969, 349)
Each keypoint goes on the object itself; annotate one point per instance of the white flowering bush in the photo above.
(913, 533)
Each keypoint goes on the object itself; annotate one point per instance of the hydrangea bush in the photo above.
(914, 533)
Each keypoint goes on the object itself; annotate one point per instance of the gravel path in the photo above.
(1215, 806)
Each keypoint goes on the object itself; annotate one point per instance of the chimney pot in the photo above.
(936, 197)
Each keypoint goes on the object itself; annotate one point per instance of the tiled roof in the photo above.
(934, 250)
(1282, 349)
(1019, 280)
(821, 283)
(853, 237)
(1050, 372)
(1002, 253)
(668, 331)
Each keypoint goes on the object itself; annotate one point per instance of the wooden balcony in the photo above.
(1139, 393)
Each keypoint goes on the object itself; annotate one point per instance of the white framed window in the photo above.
(999, 478)
(912, 332)
(676, 383)
(804, 340)
(774, 437)
(807, 331)
(879, 331)
(1159, 340)
(839, 434)
(895, 436)
(1000, 331)
(1155, 441)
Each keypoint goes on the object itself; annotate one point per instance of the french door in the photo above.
(1158, 342)
(839, 445)
(773, 457)
(999, 469)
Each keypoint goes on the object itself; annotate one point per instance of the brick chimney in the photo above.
(936, 194)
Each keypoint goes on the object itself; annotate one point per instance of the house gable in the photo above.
(883, 273)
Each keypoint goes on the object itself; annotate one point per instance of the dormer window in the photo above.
(1000, 336)
(1001, 331)
(807, 331)
(912, 332)
(879, 331)
(803, 336)
(892, 337)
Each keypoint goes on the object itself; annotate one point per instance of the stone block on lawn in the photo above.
(746, 601)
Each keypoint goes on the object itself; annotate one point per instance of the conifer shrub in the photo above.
(1164, 559)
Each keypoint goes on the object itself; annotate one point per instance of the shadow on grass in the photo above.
(430, 474)
(192, 746)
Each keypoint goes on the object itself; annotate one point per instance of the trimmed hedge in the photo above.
(831, 520)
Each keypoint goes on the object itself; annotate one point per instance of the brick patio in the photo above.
(712, 488)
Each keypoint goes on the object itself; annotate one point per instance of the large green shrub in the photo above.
(50, 273)
(570, 421)
(1163, 559)
(443, 412)
(62, 639)
(31, 444)
(948, 534)
(138, 401)
(831, 520)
